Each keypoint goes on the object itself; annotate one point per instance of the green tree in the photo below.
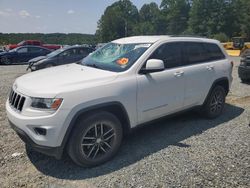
(150, 20)
(117, 21)
(242, 9)
(176, 13)
(210, 17)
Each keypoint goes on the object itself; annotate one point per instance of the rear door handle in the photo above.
(210, 67)
(178, 74)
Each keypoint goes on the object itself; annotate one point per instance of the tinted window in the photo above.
(68, 53)
(34, 50)
(83, 51)
(170, 54)
(195, 52)
(215, 52)
(22, 50)
(45, 51)
(36, 43)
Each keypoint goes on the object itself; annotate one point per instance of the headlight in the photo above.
(46, 104)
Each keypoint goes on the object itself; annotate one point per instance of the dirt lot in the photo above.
(184, 151)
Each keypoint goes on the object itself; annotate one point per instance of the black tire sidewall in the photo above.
(5, 60)
(74, 146)
(207, 108)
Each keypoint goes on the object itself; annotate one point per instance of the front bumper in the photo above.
(244, 72)
(31, 66)
(53, 124)
(51, 151)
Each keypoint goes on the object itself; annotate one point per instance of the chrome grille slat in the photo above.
(19, 103)
(13, 99)
(16, 100)
(11, 95)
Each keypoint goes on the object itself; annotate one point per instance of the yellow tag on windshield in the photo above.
(122, 61)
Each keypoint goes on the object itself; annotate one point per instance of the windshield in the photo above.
(21, 43)
(56, 52)
(115, 57)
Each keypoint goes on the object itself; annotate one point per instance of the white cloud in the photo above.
(37, 16)
(4, 13)
(70, 11)
(24, 14)
(8, 9)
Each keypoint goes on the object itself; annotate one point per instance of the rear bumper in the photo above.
(51, 151)
(244, 72)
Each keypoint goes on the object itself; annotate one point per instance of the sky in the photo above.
(51, 16)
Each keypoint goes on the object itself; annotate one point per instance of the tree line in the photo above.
(51, 38)
(220, 19)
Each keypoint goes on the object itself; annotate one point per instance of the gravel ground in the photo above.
(184, 151)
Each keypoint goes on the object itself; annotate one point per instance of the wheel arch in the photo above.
(115, 108)
(224, 82)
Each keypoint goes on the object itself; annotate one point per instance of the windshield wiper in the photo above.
(93, 65)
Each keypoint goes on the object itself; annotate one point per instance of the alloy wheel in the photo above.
(217, 102)
(98, 141)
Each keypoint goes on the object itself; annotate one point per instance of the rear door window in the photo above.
(83, 51)
(195, 52)
(36, 43)
(170, 54)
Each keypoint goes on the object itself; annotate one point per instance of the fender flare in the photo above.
(86, 110)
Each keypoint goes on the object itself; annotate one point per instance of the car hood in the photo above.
(36, 59)
(50, 82)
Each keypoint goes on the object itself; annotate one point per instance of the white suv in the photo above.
(86, 108)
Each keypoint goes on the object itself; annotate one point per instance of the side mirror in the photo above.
(153, 65)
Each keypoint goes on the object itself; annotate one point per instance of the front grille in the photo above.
(247, 62)
(16, 100)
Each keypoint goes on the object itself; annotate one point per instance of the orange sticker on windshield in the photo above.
(122, 61)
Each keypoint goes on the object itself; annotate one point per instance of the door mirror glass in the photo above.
(153, 65)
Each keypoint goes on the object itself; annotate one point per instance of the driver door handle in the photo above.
(178, 74)
(210, 67)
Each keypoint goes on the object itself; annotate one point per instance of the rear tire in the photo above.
(95, 139)
(214, 104)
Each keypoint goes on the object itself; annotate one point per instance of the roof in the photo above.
(33, 46)
(155, 38)
(141, 39)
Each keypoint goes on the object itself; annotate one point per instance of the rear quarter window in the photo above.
(214, 51)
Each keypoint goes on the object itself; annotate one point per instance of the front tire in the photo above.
(214, 105)
(95, 139)
(5, 60)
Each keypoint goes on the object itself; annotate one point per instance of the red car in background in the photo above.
(33, 43)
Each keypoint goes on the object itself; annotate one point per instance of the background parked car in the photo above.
(73, 54)
(32, 43)
(244, 69)
(22, 54)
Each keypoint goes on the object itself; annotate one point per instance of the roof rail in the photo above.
(195, 36)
